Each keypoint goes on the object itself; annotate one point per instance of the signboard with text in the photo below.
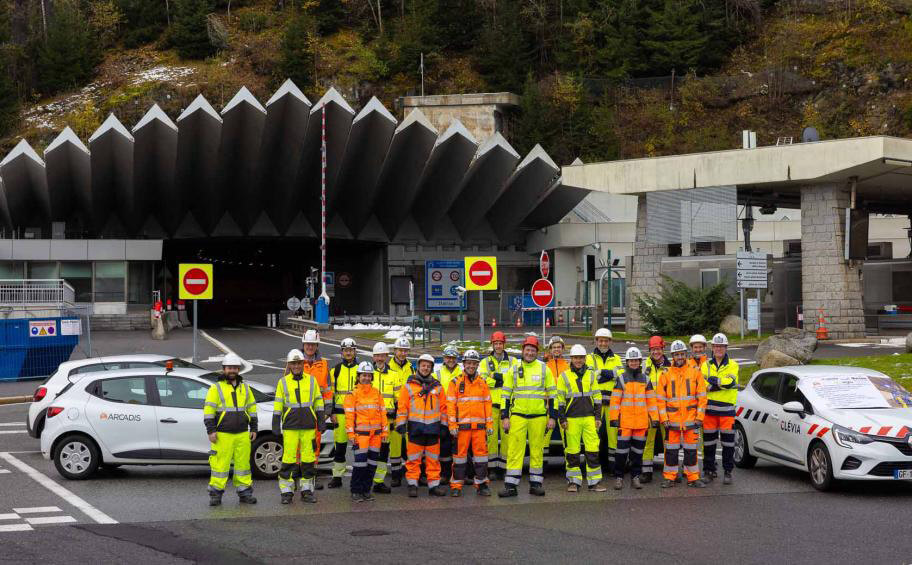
(441, 279)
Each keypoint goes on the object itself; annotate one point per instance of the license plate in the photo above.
(902, 474)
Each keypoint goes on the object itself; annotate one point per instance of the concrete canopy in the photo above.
(534, 179)
(493, 164)
(69, 169)
(198, 137)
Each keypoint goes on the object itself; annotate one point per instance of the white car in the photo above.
(837, 423)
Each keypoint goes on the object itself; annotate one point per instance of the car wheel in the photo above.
(76, 457)
(743, 458)
(820, 466)
(266, 457)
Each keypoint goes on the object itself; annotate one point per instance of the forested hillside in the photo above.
(598, 79)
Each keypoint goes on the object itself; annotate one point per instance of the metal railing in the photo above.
(36, 291)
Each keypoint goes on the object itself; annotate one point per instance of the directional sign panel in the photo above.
(752, 275)
(757, 264)
(195, 281)
(481, 273)
(752, 284)
(751, 255)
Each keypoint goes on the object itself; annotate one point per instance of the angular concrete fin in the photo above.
(332, 95)
(154, 113)
(375, 105)
(66, 136)
(111, 123)
(22, 148)
(538, 153)
(288, 88)
(263, 227)
(300, 226)
(496, 140)
(189, 227)
(151, 228)
(336, 228)
(372, 230)
(227, 227)
(243, 95)
(577, 161)
(456, 128)
(199, 104)
(416, 116)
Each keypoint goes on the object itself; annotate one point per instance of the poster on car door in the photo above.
(844, 391)
(441, 281)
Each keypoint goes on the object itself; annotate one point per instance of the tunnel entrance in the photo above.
(256, 276)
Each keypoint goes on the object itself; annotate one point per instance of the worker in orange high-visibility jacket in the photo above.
(469, 414)
(318, 367)
(681, 401)
(367, 428)
(421, 414)
(633, 412)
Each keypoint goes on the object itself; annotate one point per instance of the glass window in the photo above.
(109, 281)
(181, 393)
(129, 390)
(11, 269)
(618, 288)
(42, 270)
(79, 276)
(767, 386)
(139, 282)
(94, 368)
(709, 277)
(790, 392)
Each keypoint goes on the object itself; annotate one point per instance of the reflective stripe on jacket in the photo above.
(609, 361)
(469, 404)
(633, 401)
(681, 397)
(365, 413)
(344, 379)
(298, 402)
(722, 400)
(578, 395)
(387, 382)
(490, 365)
(422, 405)
(528, 387)
(230, 408)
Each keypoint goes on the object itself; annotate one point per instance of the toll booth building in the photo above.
(114, 215)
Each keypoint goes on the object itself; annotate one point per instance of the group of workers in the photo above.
(475, 421)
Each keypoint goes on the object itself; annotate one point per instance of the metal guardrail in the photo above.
(36, 291)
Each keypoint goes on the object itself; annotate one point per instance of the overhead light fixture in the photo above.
(897, 162)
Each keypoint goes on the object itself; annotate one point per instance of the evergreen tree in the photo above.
(297, 62)
(9, 98)
(675, 38)
(190, 34)
(69, 55)
(144, 20)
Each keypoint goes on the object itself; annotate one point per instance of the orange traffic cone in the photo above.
(560, 317)
(547, 322)
(519, 322)
(822, 332)
(493, 322)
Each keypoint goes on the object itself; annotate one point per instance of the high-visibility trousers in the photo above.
(390, 456)
(607, 442)
(631, 443)
(340, 438)
(582, 430)
(497, 443)
(426, 449)
(367, 453)
(230, 448)
(478, 441)
(674, 441)
(536, 431)
(716, 428)
(446, 454)
(650, 453)
(292, 473)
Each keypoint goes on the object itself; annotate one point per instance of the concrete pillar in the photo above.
(828, 281)
(643, 272)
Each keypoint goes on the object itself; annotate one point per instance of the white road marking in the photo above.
(13, 431)
(12, 423)
(225, 349)
(4, 471)
(37, 510)
(256, 362)
(51, 520)
(12, 516)
(16, 528)
(272, 367)
(45, 481)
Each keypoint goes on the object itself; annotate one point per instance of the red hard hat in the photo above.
(498, 336)
(531, 340)
(656, 341)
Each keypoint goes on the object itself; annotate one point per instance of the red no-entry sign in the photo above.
(481, 273)
(196, 281)
(542, 292)
(544, 264)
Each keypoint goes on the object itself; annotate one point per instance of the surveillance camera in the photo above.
(460, 289)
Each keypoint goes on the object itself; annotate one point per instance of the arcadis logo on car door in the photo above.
(120, 417)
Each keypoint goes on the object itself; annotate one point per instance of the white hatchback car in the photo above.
(837, 423)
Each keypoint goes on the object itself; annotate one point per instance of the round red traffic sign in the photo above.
(544, 264)
(196, 281)
(481, 273)
(542, 292)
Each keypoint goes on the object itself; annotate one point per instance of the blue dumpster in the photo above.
(34, 347)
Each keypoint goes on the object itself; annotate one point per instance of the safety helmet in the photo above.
(720, 339)
(656, 341)
(498, 336)
(426, 357)
(294, 355)
(471, 355)
(697, 338)
(402, 342)
(633, 353)
(678, 345)
(603, 332)
(531, 340)
(450, 351)
(365, 367)
(311, 336)
(232, 360)
(577, 351)
(555, 339)
(348, 342)
(381, 348)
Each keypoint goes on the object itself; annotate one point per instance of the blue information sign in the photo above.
(440, 281)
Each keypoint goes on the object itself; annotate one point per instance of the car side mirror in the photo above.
(794, 407)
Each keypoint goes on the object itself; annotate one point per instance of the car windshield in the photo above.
(857, 392)
(178, 364)
(211, 377)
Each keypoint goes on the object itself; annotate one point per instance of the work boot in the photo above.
(246, 497)
(396, 479)
(709, 476)
(381, 488)
(483, 490)
(317, 485)
(669, 483)
(438, 491)
(335, 482)
(308, 496)
(697, 484)
(413, 491)
(679, 479)
(496, 475)
(444, 481)
(368, 497)
(455, 492)
(536, 489)
(618, 483)
(646, 478)
(287, 497)
(727, 478)
(508, 491)
(636, 483)
(597, 487)
(422, 481)
(357, 497)
(215, 498)
(572, 487)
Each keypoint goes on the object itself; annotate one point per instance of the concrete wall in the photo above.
(477, 112)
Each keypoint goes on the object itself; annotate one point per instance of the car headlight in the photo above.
(845, 437)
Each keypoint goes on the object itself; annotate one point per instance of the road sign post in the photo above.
(481, 275)
(195, 283)
(752, 272)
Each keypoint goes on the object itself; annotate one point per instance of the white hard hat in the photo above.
(426, 357)
(697, 338)
(451, 351)
(471, 355)
(720, 339)
(555, 339)
(402, 342)
(311, 336)
(348, 342)
(232, 360)
(633, 353)
(381, 348)
(603, 332)
(678, 345)
(577, 351)
(365, 367)
(294, 355)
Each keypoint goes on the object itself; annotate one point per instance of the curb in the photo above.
(15, 399)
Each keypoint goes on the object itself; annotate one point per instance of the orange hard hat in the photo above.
(656, 341)
(531, 340)
(498, 336)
